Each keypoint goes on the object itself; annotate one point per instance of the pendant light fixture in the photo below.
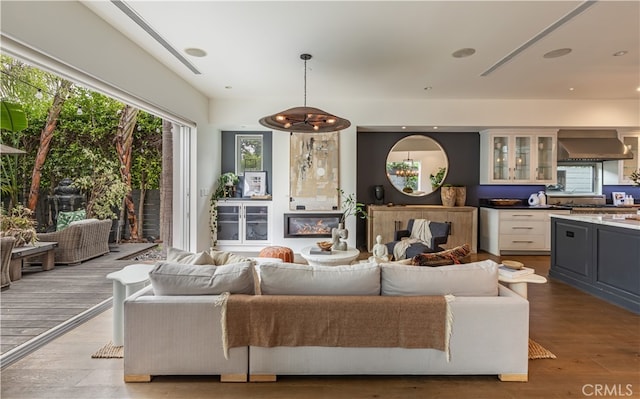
(305, 119)
(408, 167)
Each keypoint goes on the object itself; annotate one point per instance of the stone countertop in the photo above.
(618, 220)
(526, 207)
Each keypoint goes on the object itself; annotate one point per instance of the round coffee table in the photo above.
(336, 258)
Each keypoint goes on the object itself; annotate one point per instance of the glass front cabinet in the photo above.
(244, 223)
(628, 166)
(517, 157)
(619, 172)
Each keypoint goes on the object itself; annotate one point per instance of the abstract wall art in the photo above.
(314, 171)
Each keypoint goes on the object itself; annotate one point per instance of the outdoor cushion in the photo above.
(469, 279)
(176, 255)
(82, 221)
(298, 279)
(181, 279)
(64, 218)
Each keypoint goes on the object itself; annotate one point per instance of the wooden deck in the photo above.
(42, 301)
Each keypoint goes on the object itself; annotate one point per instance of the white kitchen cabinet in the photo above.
(244, 224)
(510, 156)
(520, 231)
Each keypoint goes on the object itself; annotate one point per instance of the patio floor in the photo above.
(45, 304)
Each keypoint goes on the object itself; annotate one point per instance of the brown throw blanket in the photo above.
(337, 321)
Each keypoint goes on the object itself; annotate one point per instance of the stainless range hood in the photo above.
(591, 145)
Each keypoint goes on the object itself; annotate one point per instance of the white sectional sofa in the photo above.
(181, 333)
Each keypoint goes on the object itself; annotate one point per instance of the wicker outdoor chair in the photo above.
(6, 246)
(81, 240)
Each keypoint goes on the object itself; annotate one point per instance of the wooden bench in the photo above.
(44, 249)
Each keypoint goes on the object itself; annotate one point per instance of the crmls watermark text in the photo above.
(607, 390)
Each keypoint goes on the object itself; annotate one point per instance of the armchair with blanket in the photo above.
(421, 236)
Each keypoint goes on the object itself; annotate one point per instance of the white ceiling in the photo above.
(375, 49)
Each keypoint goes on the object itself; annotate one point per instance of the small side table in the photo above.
(130, 279)
(336, 258)
(519, 284)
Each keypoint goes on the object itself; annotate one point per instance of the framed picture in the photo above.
(255, 183)
(618, 197)
(249, 153)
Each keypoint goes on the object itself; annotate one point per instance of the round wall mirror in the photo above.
(417, 165)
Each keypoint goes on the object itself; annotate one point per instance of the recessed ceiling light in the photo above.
(463, 52)
(428, 88)
(638, 88)
(435, 128)
(557, 53)
(620, 53)
(403, 127)
(571, 89)
(195, 52)
(228, 87)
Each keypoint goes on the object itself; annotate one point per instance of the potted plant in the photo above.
(19, 223)
(224, 185)
(350, 206)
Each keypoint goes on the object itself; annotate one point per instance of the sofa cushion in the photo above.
(448, 257)
(64, 218)
(470, 279)
(224, 257)
(176, 255)
(182, 279)
(297, 279)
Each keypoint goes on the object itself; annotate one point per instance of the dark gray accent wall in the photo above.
(229, 153)
(463, 152)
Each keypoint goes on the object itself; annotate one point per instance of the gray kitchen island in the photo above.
(598, 254)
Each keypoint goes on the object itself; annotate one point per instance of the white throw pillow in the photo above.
(176, 255)
(297, 279)
(469, 279)
(181, 279)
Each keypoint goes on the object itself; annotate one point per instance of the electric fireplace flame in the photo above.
(309, 225)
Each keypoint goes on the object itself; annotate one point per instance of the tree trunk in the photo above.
(124, 144)
(166, 185)
(45, 141)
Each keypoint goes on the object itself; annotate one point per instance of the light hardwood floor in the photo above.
(597, 346)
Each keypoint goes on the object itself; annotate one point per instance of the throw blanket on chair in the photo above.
(337, 321)
(420, 232)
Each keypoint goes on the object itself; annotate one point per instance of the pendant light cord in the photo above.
(305, 82)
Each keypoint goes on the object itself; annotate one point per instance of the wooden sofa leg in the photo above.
(137, 378)
(262, 378)
(233, 377)
(514, 377)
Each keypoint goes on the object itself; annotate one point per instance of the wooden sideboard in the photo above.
(385, 220)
